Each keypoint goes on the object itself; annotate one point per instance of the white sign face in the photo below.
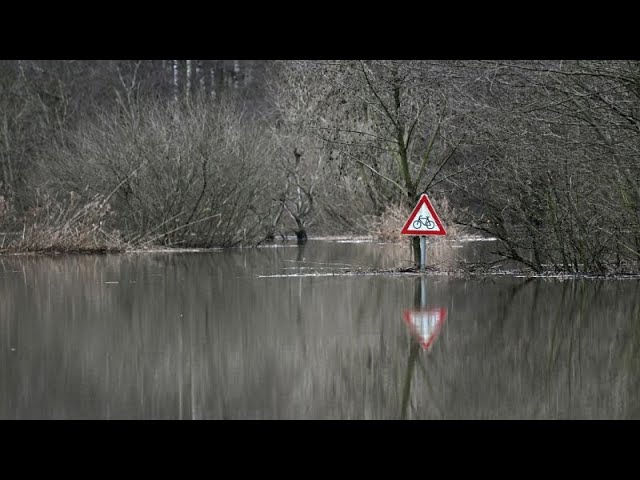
(426, 324)
(423, 220)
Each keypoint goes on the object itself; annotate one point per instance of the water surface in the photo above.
(268, 334)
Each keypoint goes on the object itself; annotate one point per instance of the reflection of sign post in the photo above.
(423, 221)
(426, 323)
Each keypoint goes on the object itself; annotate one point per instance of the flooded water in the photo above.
(283, 333)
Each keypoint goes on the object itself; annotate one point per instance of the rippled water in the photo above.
(282, 332)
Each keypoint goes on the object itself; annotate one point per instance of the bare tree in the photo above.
(562, 193)
(391, 124)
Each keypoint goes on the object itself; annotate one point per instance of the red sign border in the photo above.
(424, 200)
(428, 342)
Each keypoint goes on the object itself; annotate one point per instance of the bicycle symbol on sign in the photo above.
(423, 220)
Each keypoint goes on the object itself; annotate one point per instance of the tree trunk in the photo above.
(199, 78)
(301, 235)
(415, 240)
(188, 69)
(236, 74)
(207, 78)
(415, 247)
(219, 78)
(301, 232)
(175, 80)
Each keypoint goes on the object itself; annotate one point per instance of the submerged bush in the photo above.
(70, 225)
(190, 176)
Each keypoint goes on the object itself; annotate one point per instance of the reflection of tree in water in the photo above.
(546, 349)
(629, 352)
(555, 351)
(598, 339)
(375, 380)
(511, 349)
(414, 352)
(419, 301)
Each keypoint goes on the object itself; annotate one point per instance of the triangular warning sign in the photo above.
(423, 220)
(425, 324)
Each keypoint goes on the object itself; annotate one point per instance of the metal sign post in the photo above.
(423, 253)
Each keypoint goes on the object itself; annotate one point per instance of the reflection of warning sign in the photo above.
(423, 220)
(425, 324)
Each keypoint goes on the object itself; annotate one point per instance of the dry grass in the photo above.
(66, 226)
(5, 220)
(4, 208)
(388, 226)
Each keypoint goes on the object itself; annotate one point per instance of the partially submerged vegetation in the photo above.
(70, 227)
(112, 156)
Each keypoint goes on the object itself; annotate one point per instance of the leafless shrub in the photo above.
(389, 225)
(180, 175)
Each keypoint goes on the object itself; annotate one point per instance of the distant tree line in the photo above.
(543, 155)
